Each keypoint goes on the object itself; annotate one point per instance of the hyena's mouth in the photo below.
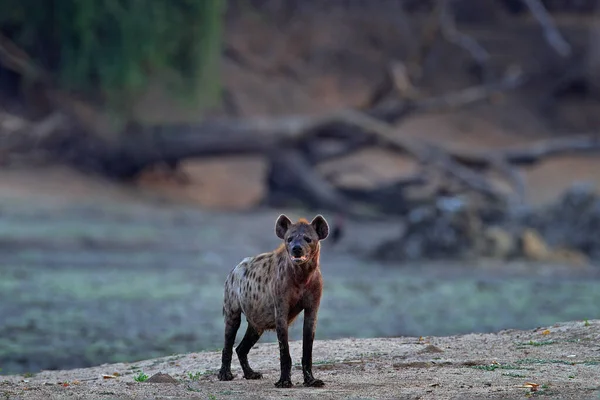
(299, 259)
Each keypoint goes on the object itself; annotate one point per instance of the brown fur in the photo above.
(271, 290)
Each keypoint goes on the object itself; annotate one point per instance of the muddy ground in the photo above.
(108, 275)
(560, 361)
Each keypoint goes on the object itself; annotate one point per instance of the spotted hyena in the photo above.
(271, 289)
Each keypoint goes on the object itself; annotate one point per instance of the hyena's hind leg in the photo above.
(242, 350)
(233, 320)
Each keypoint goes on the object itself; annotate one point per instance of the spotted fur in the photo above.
(271, 290)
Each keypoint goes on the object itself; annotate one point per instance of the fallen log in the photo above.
(293, 145)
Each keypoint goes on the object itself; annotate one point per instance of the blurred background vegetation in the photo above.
(110, 48)
(147, 147)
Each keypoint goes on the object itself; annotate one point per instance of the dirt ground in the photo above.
(560, 361)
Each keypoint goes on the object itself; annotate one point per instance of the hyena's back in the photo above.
(248, 289)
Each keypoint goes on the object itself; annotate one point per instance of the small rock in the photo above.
(570, 256)
(499, 243)
(161, 378)
(579, 196)
(431, 349)
(534, 246)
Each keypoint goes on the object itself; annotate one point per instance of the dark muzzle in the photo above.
(297, 251)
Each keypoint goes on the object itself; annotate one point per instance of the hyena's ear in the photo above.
(282, 225)
(320, 226)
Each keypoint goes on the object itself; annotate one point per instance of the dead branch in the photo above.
(318, 151)
(147, 145)
(453, 35)
(553, 147)
(532, 154)
(512, 175)
(470, 178)
(424, 152)
(551, 33)
(15, 59)
(291, 168)
(18, 135)
(427, 36)
(394, 110)
(401, 79)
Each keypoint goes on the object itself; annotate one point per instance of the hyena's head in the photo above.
(302, 238)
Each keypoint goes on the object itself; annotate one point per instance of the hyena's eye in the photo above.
(289, 240)
(308, 240)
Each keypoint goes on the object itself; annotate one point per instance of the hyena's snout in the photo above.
(297, 250)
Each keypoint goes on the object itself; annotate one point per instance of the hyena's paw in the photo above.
(284, 383)
(225, 375)
(314, 383)
(253, 375)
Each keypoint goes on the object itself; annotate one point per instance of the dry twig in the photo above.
(15, 59)
(551, 33)
(453, 35)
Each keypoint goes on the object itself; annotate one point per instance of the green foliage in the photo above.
(536, 343)
(114, 46)
(197, 375)
(141, 377)
(194, 377)
(513, 375)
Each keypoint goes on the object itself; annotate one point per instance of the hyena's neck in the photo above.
(305, 272)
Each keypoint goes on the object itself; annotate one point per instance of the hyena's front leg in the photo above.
(308, 337)
(285, 360)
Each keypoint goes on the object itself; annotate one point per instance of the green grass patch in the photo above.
(513, 375)
(592, 362)
(537, 343)
(324, 362)
(141, 377)
(542, 361)
(191, 389)
(195, 376)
